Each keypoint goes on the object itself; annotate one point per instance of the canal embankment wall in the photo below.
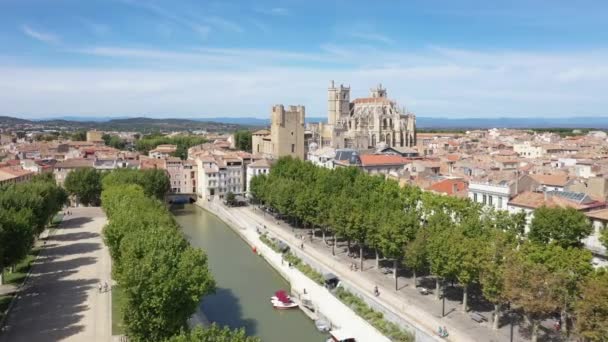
(326, 304)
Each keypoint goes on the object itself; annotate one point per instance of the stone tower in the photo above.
(338, 103)
(287, 131)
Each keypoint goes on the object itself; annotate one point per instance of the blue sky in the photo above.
(195, 58)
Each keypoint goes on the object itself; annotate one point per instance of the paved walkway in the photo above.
(423, 311)
(327, 304)
(60, 301)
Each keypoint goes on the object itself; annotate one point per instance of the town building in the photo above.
(95, 136)
(365, 122)
(286, 135)
(63, 168)
(599, 220)
(162, 151)
(258, 167)
(322, 157)
(14, 174)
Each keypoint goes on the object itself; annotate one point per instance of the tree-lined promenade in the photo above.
(161, 275)
(541, 273)
(26, 209)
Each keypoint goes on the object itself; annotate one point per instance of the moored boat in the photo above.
(281, 300)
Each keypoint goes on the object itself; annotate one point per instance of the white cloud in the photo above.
(278, 11)
(240, 82)
(224, 24)
(373, 37)
(44, 37)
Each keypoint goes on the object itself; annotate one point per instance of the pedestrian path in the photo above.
(61, 300)
(326, 303)
(404, 306)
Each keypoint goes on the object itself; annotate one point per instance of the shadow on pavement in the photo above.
(75, 222)
(75, 248)
(73, 236)
(50, 307)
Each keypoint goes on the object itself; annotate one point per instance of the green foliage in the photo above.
(113, 141)
(213, 333)
(183, 143)
(295, 261)
(41, 195)
(389, 329)
(242, 140)
(25, 210)
(154, 182)
(230, 198)
(565, 226)
(79, 136)
(453, 238)
(161, 276)
(592, 307)
(85, 185)
(604, 237)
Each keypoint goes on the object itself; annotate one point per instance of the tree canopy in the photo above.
(565, 226)
(163, 277)
(183, 143)
(85, 185)
(25, 210)
(451, 238)
(242, 140)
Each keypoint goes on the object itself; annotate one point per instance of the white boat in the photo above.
(281, 300)
(340, 335)
(277, 304)
(322, 325)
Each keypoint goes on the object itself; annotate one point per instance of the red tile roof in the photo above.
(382, 159)
(450, 186)
(533, 200)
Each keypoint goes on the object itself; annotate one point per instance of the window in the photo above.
(484, 199)
(293, 148)
(490, 200)
(475, 197)
(499, 202)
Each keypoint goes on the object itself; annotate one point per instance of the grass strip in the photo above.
(119, 301)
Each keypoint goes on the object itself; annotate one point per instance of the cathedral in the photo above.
(364, 122)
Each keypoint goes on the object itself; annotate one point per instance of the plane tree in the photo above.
(564, 226)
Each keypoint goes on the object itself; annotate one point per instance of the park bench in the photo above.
(477, 317)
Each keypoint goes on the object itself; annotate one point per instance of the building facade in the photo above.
(286, 135)
(258, 167)
(364, 122)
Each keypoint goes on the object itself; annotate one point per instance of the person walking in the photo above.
(105, 286)
(99, 287)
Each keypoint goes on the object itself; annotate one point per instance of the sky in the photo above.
(237, 58)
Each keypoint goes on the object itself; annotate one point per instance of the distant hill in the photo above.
(230, 124)
(523, 123)
(128, 124)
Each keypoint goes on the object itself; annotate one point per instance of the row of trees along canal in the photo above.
(162, 276)
(26, 209)
(541, 272)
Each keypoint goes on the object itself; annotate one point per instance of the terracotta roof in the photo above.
(74, 163)
(533, 200)
(598, 214)
(381, 159)
(552, 180)
(453, 157)
(450, 186)
(262, 163)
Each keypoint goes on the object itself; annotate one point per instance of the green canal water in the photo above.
(245, 282)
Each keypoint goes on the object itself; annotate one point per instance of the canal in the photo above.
(245, 282)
